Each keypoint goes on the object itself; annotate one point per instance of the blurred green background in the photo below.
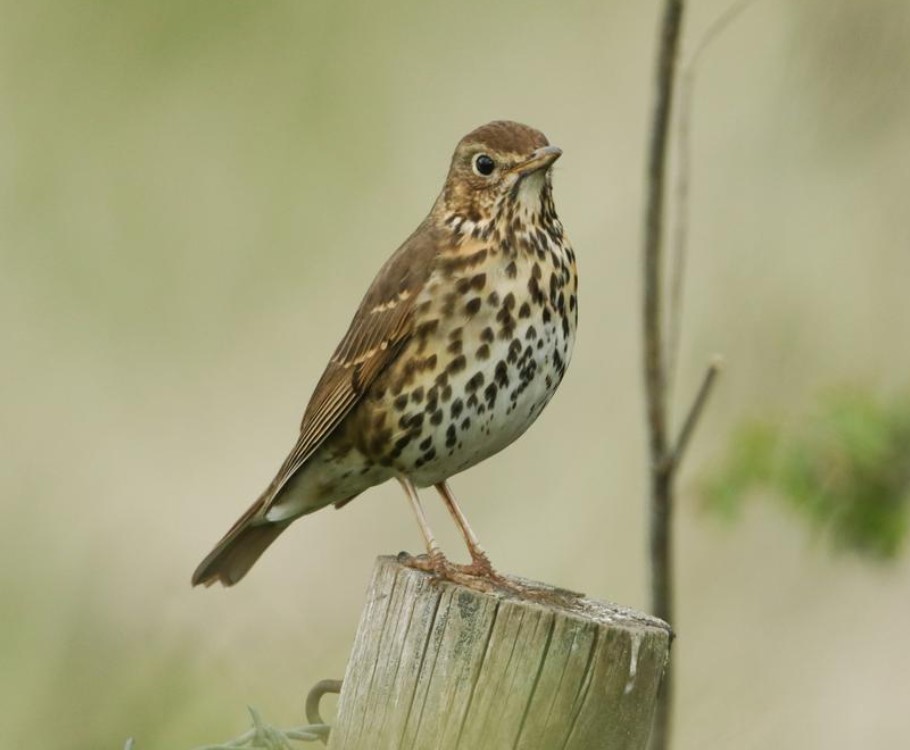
(193, 197)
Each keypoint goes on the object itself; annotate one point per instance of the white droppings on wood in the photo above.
(633, 661)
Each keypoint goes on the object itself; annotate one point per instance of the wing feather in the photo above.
(380, 328)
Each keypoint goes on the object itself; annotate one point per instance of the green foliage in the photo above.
(845, 470)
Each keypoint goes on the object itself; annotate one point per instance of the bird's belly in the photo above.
(491, 402)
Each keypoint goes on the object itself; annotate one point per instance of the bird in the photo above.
(460, 342)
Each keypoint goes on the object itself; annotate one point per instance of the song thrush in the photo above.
(458, 345)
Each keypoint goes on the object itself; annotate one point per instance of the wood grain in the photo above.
(439, 666)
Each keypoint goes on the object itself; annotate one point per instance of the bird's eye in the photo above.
(484, 165)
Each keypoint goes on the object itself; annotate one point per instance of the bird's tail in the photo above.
(235, 554)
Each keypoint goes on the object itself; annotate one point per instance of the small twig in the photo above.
(698, 405)
(680, 235)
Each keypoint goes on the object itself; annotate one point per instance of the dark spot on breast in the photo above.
(501, 375)
(511, 270)
(429, 455)
(457, 364)
(493, 299)
(426, 442)
(417, 394)
(483, 352)
(401, 444)
(459, 262)
(531, 333)
(514, 351)
(487, 335)
(478, 281)
(454, 347)
(457, 407)
(411, 421)
(524, 311)
(423, 330)
(465, 423)
(446, 393)
(553, 288)
(472, 306)
(448, 304)
(475, 382)
(455, 333)
(534, 290)
(436, 417)
(401, 402)
(451, 436)
(509, 302)
(558, 363)
(489, 393)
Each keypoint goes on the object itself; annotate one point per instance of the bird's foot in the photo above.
(434, 562)
(480, 567)
(479, 574)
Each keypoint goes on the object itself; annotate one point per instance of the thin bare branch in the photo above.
(680, 234)
(695, 411)
(654, 359)
(654, 364)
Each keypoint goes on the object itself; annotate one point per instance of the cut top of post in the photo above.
(441, 666)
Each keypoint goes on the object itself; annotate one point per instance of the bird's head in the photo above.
(497, 169)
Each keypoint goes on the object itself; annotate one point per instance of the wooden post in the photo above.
(440, 666)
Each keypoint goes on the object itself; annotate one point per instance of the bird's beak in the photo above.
(542, 158)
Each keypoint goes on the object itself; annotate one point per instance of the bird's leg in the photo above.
(435, 561)
(480, 563)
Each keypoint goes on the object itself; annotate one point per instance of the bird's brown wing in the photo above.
(381, 326)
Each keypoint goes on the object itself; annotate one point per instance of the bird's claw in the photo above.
(435, 562)
(479, 574)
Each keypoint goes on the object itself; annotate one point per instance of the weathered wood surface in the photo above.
(439, 666)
